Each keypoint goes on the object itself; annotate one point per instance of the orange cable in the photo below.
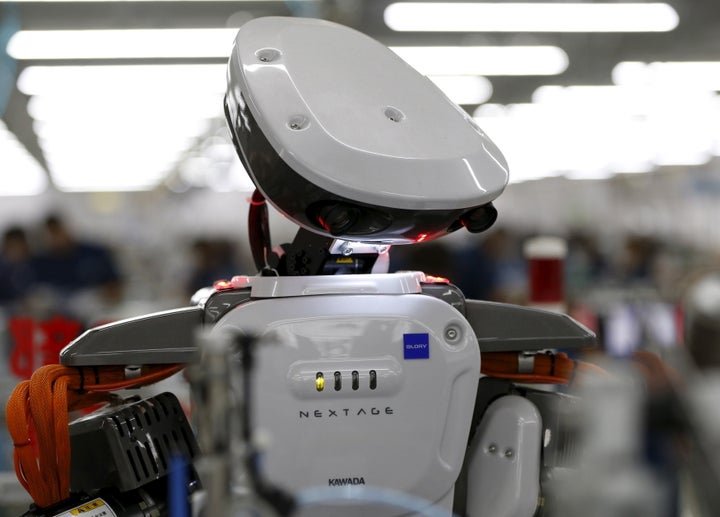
(37, 419)
(548, 368)
(528, 378)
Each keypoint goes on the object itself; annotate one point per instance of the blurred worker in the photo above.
(212, 260)
(70, 266)
(639, 260)
(492, 268)
(16, 272)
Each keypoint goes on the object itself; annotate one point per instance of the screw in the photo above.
(492, 448)
(509, 453)
(347, 251)
(298, 122)
(451, 333)
(264, 59)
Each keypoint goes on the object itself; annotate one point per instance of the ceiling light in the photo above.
(130, 153)
(78, 176)
(125, 43)
(530, 17)
(111, 80)
(94, 109)
(486, 60)
(129, 146)
(23, 175)
(464, 89)
(91, 160)
(120, 128)
(689, 74)
(596, 131)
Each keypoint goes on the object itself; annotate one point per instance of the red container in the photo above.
(546, 266)
(545, 280)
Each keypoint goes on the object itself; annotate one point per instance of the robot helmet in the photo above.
(347, 140)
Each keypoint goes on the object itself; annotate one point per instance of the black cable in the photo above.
(82, 380)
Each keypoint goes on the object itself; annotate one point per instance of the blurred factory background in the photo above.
(114, 154)
(608, 113)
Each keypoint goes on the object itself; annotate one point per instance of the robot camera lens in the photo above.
(337, 218)
(479, 219)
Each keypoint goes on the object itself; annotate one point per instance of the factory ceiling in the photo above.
(591, 56)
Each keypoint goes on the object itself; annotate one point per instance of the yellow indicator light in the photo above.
(319, 382)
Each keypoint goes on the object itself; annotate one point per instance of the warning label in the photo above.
(95, 508)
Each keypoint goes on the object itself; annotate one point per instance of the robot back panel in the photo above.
(395, 373)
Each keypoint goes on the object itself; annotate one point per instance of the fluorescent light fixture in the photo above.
(125, 43)
(688, 74)
(118, 165)
(654, 101)
(80, 109)
(486, 60)
(22, 174)
(120, 128)
(592, 132)
(116, 79)
(125, 153)
(530, 17)
(464, 89)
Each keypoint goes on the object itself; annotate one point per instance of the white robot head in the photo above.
(349, 141)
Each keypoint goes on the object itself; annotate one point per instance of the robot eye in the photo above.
(479, 219)
(337, 218)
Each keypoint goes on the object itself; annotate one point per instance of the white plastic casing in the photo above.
(403, 282)
(408, 433)
(352, 118)
(504, 460)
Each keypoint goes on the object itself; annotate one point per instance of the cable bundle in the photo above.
(37, 419)
(546, 368)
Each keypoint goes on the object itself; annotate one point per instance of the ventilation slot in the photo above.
(139, 439)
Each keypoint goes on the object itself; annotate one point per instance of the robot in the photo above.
(361, 380)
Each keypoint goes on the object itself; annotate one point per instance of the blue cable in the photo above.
(178, 505)
(314, 496)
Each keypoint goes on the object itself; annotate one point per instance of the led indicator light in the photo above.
(338, 381)
(355, 380)
(429, 279)
(222, 285)
(319, 381)
(373, 379)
